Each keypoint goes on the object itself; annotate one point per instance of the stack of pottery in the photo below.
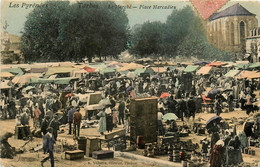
(156, 149)
(150, 151)
(176, 154)
(170, 151)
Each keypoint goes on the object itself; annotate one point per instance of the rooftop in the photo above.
(235, 10)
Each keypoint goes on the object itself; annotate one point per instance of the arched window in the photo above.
(242, 32)
(232, 39)
(254, 32)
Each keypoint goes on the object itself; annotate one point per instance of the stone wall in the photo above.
(226, 33)
(253, 45)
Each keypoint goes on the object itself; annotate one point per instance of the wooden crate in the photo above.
(143, 119)
(119, 132)
(18, 131)
(72, 155)
(103, 154)
(92, 145)
(82, 144)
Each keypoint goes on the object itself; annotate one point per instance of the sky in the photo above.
(14, 12)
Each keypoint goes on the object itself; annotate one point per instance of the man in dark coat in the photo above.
(48, 104)
(45, 124)
(218, 107)
(23, 102)
(48, 144)
(121, 109)
(215, 134)
(56, 106)
(230, 100)
(191, 107)
(182, 108)
(24, 118)
(171, 104)
(248, 128)
(40, 107)
(54, 124)
(112, 101)
(70, 118)
(214, 138)
(11, 109)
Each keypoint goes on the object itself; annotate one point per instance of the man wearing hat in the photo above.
(54, 124)
(45, 124)
(70, 118)
(121, 109)
(76, 121)
(48, 144)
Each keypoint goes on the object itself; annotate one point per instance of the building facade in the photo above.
(253, 45)
(10, 48)
(228, 29)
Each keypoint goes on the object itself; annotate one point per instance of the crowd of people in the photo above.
(50, 105)
(186, 92)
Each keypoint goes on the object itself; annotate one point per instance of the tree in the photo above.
(177, 28)
(182, 35)
(148, 39)
(83, 29)
(102, 31)
(162, 39)
(41, 31)
(196, 44)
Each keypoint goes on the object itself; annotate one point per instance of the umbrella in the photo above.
(164, 94)
(169, 116)
(105, 102)
(24, 79)
(88, 69)
(156, 77)
(67, 88)
(29, 88)
(129, 89)
(201, 62)
(227, 90)
(210, 122)
(212, 93)
(69, 95)
(131, 75)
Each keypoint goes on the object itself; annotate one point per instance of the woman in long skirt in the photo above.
(102, 122)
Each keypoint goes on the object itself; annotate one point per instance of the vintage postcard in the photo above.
(130, 83)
